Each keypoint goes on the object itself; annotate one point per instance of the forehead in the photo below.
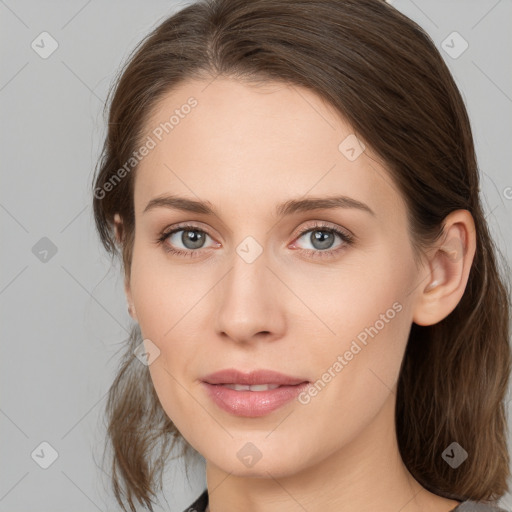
(228, 141)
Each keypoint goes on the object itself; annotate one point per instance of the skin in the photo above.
(247, 148)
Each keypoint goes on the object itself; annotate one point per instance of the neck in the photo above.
(365, 475)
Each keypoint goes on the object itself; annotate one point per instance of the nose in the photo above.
(251, 302)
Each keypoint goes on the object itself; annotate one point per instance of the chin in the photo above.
(258, 459)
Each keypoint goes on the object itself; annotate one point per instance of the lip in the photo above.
(234, 376)
(252, 403)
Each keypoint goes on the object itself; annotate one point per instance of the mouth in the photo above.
(252, 394)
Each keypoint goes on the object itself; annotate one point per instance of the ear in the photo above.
(449, 264)
(118, 228)
(119, 234)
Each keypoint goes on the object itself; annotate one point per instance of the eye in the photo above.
(187, 240)
(190, 237)
(322, 238)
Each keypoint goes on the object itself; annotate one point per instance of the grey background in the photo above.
(64, 317)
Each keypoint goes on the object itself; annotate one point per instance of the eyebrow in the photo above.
(287, 208)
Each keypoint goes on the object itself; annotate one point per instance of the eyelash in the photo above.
(345, 237)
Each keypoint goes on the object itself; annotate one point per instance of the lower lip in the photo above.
(252, 403)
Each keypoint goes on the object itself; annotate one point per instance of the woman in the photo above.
(318, 309)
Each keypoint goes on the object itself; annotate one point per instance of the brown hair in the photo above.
(402, 101)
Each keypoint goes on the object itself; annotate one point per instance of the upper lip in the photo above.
(233, 376)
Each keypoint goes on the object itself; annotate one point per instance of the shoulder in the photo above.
(200, 504)
(478, 506)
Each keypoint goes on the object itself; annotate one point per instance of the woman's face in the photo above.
(263, 284)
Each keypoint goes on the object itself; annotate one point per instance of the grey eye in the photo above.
(321, 239)
(190, 238)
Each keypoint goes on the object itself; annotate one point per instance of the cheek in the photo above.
(170, 302)
(361, 330)
(364, 291)
(162, 292)
(167, 302)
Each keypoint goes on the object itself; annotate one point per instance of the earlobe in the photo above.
(131, 307)
(449, 269)
(131, 311)
(118, 228)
